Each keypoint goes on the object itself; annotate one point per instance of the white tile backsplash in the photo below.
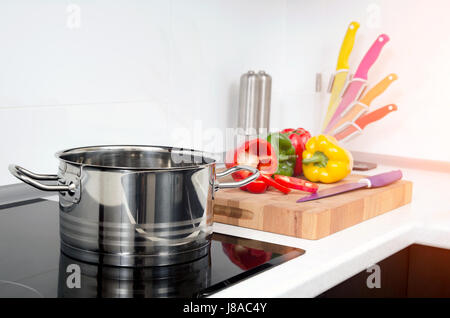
(140, 72)
(119, 53)
(212, 44)
(34, 134)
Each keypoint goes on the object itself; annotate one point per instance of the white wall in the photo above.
(138, 72)
(135, 72)
(419, 53)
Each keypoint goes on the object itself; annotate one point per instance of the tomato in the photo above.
(296, 183)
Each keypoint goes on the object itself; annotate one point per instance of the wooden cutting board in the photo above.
(278, 213)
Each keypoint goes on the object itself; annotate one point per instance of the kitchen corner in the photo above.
(334, 259)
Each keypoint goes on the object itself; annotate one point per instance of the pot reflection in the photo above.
(95, 280)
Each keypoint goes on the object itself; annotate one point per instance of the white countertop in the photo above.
(332, 260)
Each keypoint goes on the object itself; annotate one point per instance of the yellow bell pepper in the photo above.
(325, 161)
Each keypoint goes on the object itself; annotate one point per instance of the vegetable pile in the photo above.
(288, 154)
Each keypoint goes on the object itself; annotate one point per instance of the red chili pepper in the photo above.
(270, 182)
(257, 153)
(296, 183)
(298, 137)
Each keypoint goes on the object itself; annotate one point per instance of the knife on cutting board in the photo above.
(353, 128)
(377, 181)
(361, 107)
(339, 78)
(356, 86)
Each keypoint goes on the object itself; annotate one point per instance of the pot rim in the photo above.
(207, 160)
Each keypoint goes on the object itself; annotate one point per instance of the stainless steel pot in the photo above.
(134, 205)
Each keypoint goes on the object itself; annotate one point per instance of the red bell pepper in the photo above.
(273, 183)
(298, 137)
(258, 186)
(257, 153)
(296, 183)
(244, 257)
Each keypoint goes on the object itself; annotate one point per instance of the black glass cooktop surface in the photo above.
(31, 264)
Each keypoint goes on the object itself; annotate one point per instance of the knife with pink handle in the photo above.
(361, 107)
(377, 181)
(357, 85)
(354, 128)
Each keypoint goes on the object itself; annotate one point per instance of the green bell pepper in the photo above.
(285, 152)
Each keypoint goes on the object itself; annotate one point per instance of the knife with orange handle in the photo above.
(356, 127)
(361, 107)
(354, 89)
(339, 78)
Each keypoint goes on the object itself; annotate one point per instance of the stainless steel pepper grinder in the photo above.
(254, 103)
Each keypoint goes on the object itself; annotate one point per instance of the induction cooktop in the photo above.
(32, 265)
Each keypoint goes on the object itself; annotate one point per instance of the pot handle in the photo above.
(236, 184)
(31, 177)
